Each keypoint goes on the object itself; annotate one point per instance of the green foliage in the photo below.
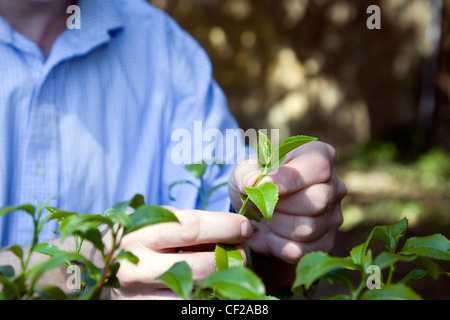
(179, 279)
(232, 279)
(317, 265)
(227, 256)
(265, 196)
(83, 228)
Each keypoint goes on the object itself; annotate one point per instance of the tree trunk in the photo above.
(441, 121)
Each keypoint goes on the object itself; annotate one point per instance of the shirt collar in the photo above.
(99, 19)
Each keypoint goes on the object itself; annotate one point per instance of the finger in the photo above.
(245, 175)
(152, 265)
(197, 227)
(305, 166)
(144, 293)
(304, 228)
(292, 251)
(311, 201)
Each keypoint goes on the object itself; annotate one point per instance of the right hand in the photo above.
(158, 248)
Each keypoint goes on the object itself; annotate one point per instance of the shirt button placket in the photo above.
(42, 148)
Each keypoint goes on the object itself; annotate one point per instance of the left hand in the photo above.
(308, 213)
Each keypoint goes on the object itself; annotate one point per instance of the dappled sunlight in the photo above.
(313, 67)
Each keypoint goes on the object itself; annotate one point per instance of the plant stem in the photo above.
(391, 273)
(115, 245)
(355, 294)
(33, 244)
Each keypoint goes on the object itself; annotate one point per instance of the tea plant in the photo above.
(232, 280)
(424, 250)
(265, 196)
(83, 228)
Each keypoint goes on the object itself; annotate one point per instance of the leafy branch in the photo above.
(82, 228)
(265, 196)
(319, 265)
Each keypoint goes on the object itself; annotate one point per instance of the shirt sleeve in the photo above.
(201, 128)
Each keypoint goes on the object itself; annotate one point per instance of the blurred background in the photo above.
(380, 97)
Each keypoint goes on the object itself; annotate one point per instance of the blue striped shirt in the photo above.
(92, 124)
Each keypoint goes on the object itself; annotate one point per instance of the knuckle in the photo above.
(323, 166)
(190, 228)
(303, 228)
(127, 279)
(319, 198)
(292, 252)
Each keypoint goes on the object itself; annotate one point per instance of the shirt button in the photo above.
(41, 171)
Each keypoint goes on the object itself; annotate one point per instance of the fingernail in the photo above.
(246, 229)
(265, 180)
(254, 174)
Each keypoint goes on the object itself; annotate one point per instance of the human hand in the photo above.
(308, 212)
(160, 246)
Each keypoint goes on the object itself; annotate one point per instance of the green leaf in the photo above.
(278, 163)
(149, 215)
(15, 249)
(434, 270)
(413, 276)
(75, 223)
(391, 292)
(315, 265)
(50, 293)
(59, 260)
(47, 249)
(197, 170)
(387, 259)
(26, 207)
(112, 280)
(54, 214)
(251, 214)
(265, 197)
(339, 276)
(7, 271)
(90, 232)
(58, 215)
(179, 279)
(435, 246)
(264, 150)
(119, 214)
(236, 283)
(288, 145)
(127, 255)
(227, 256)
(357, 254)
(390, 234)
(137, 201)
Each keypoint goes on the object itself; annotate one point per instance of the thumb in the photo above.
(244, 175)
